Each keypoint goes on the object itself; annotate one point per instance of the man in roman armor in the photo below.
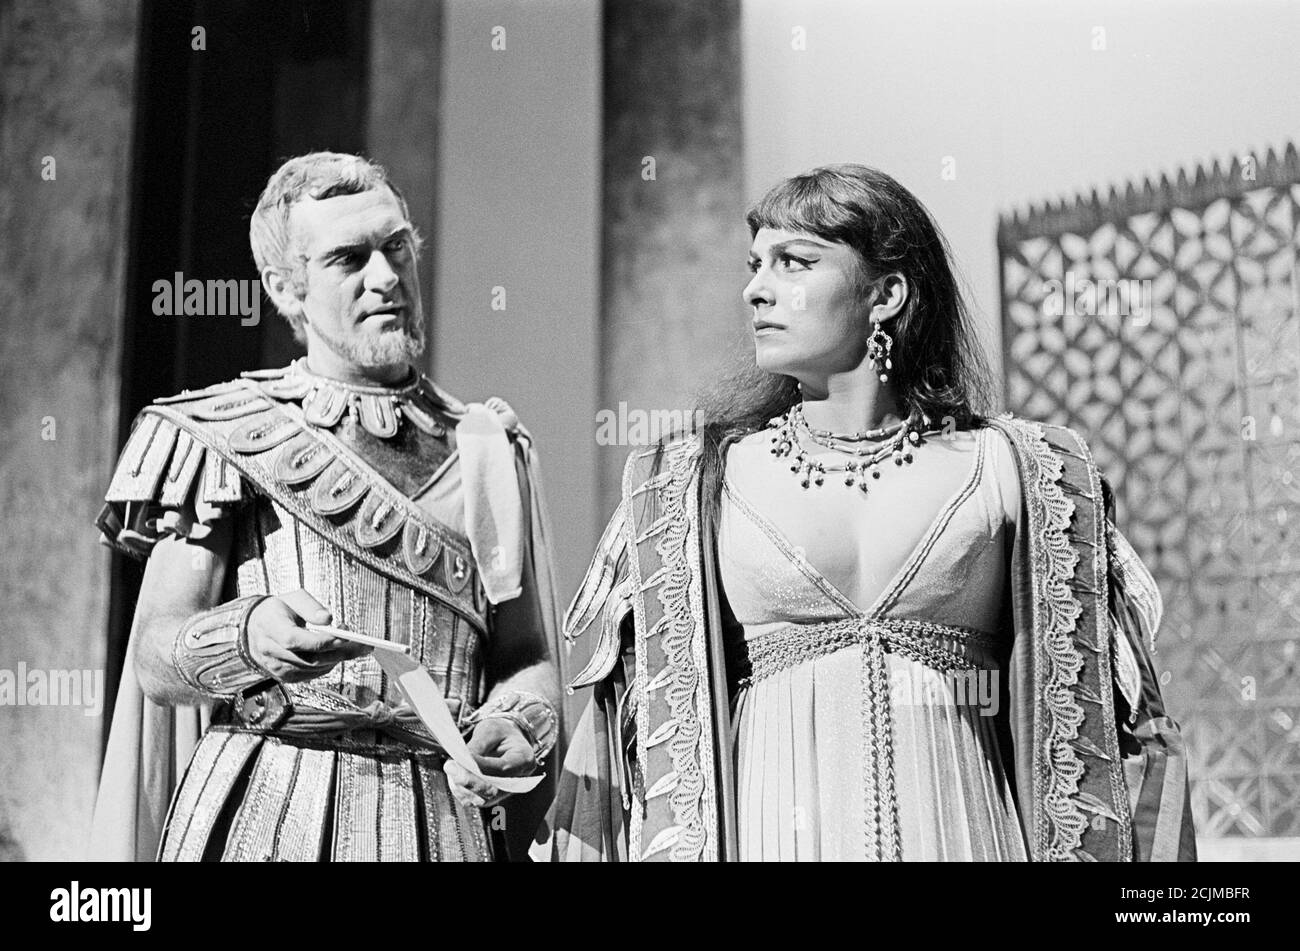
(344, 493)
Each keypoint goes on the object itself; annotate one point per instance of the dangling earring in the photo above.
(878, 346)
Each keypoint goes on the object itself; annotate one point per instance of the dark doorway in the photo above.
(275, 78)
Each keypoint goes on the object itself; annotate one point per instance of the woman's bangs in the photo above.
(802, 204)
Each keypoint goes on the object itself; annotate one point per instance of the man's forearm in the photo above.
(530, 698)
(152, 657)
(183, 578)
(200, 658)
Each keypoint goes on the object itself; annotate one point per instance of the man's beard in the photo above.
(391, 347)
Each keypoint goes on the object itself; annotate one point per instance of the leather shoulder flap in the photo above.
(214, 448)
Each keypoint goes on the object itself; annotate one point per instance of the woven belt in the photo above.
(941, 647)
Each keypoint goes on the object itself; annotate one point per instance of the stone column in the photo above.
(673, 234)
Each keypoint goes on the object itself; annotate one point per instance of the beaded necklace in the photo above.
(868, 448)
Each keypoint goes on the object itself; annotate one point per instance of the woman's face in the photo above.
(808, 317)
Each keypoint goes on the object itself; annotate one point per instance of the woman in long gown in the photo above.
(854, 618)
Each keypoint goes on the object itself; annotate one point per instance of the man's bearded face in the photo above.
(362, 295)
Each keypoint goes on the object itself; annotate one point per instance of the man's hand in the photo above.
(279, 642)
(500, 749)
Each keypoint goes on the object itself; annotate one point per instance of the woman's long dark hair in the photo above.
(938, 368)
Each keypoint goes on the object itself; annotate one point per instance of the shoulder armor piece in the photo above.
(166, 482)
(185, 396)
(274, 373)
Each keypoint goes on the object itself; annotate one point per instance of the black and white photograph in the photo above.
(578, 431)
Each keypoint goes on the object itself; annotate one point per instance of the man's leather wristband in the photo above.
(535, 718)
(211, 651)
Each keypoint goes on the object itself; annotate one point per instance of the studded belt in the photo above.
(321, 714)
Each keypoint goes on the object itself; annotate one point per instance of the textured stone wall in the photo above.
(67, 74)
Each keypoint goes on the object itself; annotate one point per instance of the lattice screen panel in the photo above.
(1185, 379)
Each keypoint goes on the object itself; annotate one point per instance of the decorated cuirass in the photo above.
(405, 513)
(321, 500)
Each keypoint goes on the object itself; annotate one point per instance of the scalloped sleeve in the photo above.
(603, 602)
(166, 483)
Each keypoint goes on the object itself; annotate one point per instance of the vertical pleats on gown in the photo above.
(800, 762)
